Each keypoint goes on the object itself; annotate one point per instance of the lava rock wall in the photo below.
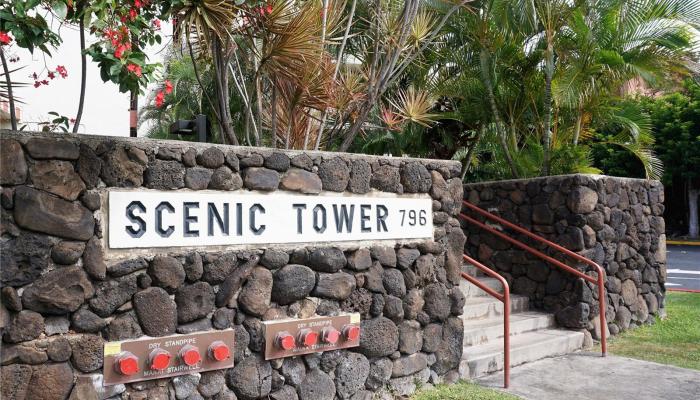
(616, 222)
(63, 296)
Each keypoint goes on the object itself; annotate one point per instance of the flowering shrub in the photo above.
(160, 96)
(28, 27)
(125, 27)
(50, 75)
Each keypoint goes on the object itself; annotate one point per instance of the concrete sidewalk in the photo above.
(589, 376)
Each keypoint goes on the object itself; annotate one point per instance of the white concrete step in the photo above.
(527, 347)
(471, 290)
(485, 307)
(489, 330)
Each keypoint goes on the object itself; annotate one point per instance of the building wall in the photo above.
(64, 293)
(616, 222)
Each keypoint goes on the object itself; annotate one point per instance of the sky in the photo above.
(105, 111)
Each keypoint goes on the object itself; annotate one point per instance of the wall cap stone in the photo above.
(24, 136)
(563, 177)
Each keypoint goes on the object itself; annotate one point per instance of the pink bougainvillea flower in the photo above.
(168, 87)
(134, 69)
(62, 71)
(119, 51)
(160, 97)
(5, 38)
(156, 23)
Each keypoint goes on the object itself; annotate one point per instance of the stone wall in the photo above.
(63, 297)
(617, 222)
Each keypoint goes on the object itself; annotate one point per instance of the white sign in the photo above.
(167, 219)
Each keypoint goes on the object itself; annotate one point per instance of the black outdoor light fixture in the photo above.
(196, 126)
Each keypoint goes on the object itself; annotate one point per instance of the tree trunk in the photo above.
(273, 117)
(470, 153)
(83, 76)
(355, 128)
(486, 79)
(133, 101)
(693, 228)
(222, 92)
(549, 71)
(579, 126)
(11, 98)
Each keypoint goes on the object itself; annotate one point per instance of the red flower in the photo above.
(62, 71)
(44, 82)
(51, 75)
(72, 120)
(156, 24)
(4, 38)
(119, 52)
(160, 97)
(168, 87)
(138, 4)
(265, 9)
(37, 84)
(133, 14)
(134, 69)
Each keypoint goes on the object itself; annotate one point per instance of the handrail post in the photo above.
(505, 299)
(603, 311)
(506, 338)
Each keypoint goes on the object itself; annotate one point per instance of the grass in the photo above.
(462, 391)
(674, 340)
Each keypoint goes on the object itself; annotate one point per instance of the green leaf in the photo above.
(115, 69)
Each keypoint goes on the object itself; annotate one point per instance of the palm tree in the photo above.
(209, 23)
(537, 78)
(486, 67)
(607, 43)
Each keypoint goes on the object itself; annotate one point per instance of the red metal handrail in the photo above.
(505, 299)
(598, 281)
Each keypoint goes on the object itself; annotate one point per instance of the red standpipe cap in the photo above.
(190, 355)
(127, 364)
(331, 335)
(351, 332)
(219, 351)
(308, 337)
(159, 359)
(285, 341)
